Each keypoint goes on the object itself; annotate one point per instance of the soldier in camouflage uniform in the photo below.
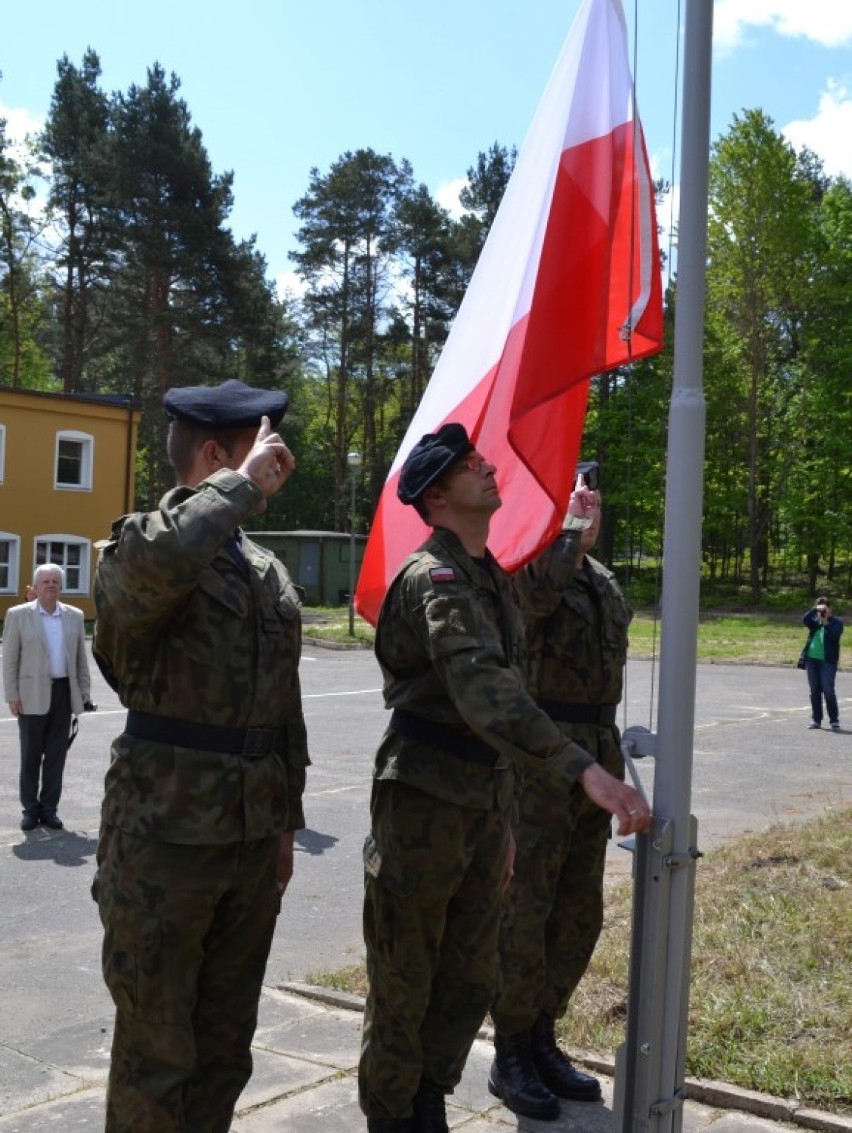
(199, 631)
(449, 641)
(576, 640)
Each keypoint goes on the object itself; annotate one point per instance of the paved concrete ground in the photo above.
(306, 1053)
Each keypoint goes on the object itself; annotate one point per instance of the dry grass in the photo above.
(771, 993)
(771, 996)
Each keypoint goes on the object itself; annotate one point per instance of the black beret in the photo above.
(430, 458)
(231, 405)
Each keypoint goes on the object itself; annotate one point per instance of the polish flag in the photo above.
(567, 286)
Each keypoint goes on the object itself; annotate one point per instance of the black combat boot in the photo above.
(513, 1079)
(554, 1067)
(389, 1125)
(430, 1110)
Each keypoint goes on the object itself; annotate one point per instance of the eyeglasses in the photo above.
(474, 461)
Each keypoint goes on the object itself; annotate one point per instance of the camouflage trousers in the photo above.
(187, 935)
(431, 915)
(553, 912)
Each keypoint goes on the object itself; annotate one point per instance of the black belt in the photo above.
(443, 736)
(60, 680)
(601, 714)
(249, 742)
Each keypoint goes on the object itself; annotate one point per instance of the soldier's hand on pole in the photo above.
(628, 806)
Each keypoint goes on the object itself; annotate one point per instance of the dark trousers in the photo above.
(431, 915)
(188, 930)
(553, 912)
(44, 746)
(821, 678)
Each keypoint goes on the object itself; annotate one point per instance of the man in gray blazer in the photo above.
(46, 680)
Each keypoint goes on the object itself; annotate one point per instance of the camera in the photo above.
(590, 470)
(822, 612)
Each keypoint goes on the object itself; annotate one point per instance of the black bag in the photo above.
(802, 663)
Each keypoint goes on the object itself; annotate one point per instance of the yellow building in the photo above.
(67, 465)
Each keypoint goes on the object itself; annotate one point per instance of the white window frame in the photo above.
(14, 542)
(87, 460)
(85, 559)
(2, 453)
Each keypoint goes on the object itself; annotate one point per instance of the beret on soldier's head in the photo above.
(430, 458)
(231, 405)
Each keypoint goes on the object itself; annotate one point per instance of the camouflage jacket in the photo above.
(576, 638)
(185, 630)
(449, 641)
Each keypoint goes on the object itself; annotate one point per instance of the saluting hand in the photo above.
(584, 501)
(269, 462)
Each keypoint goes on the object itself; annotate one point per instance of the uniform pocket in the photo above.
(131, 947)
(388, 870)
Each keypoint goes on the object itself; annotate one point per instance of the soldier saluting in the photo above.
(199, 631)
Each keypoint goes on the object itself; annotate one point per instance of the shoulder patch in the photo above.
(442, 574)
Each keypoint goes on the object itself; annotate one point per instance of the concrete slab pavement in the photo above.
(305, 1079)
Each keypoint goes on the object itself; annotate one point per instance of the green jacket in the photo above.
(449, 640)
(184, 631)
(577, 623)
(576, 649)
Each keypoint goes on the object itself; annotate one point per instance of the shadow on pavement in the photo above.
(63, 847)
(313, 842)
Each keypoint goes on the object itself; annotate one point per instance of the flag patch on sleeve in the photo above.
(442, 574)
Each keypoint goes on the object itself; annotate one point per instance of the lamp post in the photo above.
(353, 459)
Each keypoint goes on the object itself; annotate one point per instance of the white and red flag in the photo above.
(567, 286)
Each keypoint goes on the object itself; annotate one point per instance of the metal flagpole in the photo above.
(650, 1067)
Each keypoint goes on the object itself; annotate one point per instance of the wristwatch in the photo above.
(577, 522)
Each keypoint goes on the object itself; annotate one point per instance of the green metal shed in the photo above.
(318, 561)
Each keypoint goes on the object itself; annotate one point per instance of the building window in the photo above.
(2, 451)
(72, 554)
(74, 460)
(10, 557)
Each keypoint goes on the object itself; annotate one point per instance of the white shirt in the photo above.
(55, 641)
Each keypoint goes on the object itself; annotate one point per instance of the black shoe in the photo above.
(430, 1110)
(389, 1125)
(513, 1079)
(555, 1068)
(28, 821)
(51, 820)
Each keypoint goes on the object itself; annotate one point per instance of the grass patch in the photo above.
(771, 997)
(757, 639)
(331, 623)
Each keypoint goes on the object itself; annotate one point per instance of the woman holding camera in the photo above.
(822, 653)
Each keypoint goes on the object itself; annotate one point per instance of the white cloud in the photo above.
(19, 123)
(447, 196)
(828, 22)
(828, 134)
(289, 285)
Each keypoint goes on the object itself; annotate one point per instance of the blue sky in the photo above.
(277, 87)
